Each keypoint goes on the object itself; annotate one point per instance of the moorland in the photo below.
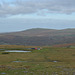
(46, 61)
(38, 37)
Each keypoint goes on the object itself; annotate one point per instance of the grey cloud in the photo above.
(33, 6)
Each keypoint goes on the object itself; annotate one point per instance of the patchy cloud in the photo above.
(34, 6)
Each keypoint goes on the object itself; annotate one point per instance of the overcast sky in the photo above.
(17, 15)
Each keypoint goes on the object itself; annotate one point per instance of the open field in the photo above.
(47, 61)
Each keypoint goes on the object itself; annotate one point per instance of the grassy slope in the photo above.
(65, 45)
(39, 37)
(39, 62)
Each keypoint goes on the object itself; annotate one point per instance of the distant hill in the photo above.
(38, 37)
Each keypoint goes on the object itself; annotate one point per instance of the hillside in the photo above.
(39, 37)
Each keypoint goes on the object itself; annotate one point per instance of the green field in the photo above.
(47, 61)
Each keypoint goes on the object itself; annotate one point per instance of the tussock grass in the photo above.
(39, 62)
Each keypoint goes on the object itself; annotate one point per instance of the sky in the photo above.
(18, 15)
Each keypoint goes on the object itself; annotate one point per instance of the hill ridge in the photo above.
(39, 37)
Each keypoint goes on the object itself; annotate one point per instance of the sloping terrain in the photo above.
(39, 37)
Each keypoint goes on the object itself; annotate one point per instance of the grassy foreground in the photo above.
(48, 61)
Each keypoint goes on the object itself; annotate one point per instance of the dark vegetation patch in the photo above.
(5, 52)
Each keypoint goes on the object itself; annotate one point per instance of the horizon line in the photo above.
(35, 28)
